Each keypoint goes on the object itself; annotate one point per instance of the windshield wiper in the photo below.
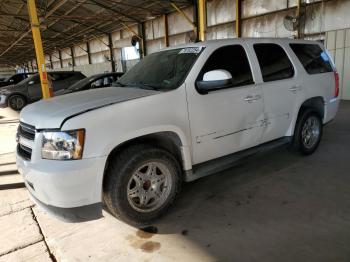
(117, 83)
(143, 86)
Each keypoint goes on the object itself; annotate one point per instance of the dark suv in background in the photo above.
(91, 82)
(15, 79)
(29, 90)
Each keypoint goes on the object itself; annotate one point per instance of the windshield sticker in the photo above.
(191, 50)
(324, 56)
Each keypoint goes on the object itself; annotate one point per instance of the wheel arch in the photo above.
(167, 140)
(315, 103)
(16, 94)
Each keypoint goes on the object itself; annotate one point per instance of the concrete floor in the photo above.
(275, 207)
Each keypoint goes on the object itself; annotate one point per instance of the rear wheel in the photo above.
(308, 132)
(141, 183)
(17, 102)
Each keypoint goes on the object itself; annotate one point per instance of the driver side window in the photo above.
(233, 59)
(98, 83)
(35, 80)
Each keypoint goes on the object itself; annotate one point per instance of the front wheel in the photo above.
(17, 102)
(141, 183)
(308, 132)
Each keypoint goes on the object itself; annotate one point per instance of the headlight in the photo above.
(64, 145)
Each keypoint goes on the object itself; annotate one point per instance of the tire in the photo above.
(17, 102)
(131, 192)
(308, 132)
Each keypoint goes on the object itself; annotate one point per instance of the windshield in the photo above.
(7, 79)
(165, 70)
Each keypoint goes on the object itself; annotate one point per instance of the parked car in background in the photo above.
(95, 81)
(178, 115)
(15, 79)
(29, 90)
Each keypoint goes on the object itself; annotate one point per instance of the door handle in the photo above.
(295, 88)
(251, 98)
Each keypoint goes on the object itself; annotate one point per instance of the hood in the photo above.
(3, 83)
(63, 92)
(4, 89)
(52, 112)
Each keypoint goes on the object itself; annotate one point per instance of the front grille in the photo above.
(26, 131)
(24, 152)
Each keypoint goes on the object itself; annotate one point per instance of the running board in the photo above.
(222, 163)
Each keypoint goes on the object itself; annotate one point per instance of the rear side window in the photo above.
(233, 59)
(274, 62)
(313, 58)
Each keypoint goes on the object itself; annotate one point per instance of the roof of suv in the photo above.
(64, 72)
(219, 42)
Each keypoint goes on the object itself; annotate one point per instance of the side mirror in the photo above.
(31, 82)
(214, 80)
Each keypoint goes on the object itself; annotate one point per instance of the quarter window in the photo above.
(274, 62)
(313, 58)
(233, 59)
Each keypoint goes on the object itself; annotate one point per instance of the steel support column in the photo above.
(60, 58)
(88, 52)
(238, 18)
(51, 64)
(111, 55)
(201, 19)
(166, 30)
(73, 58)
(38, 48)
(299, 18)
(142, 33)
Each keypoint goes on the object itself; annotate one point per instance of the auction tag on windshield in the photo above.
(191, 50)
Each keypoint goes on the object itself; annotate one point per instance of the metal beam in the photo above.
(186, 17)
(111, 9)
(58, 5)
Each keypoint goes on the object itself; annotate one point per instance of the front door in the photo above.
(227, 120)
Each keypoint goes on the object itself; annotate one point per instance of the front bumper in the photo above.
(3, 101)
(64, 184)
(74, 214)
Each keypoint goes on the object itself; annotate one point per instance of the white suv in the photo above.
(178, 115)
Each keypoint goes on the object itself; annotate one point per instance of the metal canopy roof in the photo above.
(68, 22)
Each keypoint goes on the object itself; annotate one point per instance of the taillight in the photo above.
(336, 79)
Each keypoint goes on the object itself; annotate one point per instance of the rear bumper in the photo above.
(3, 101)
(331, 109)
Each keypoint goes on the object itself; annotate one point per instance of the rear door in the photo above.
(227, 120)
(281, 89)
(319, 77)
